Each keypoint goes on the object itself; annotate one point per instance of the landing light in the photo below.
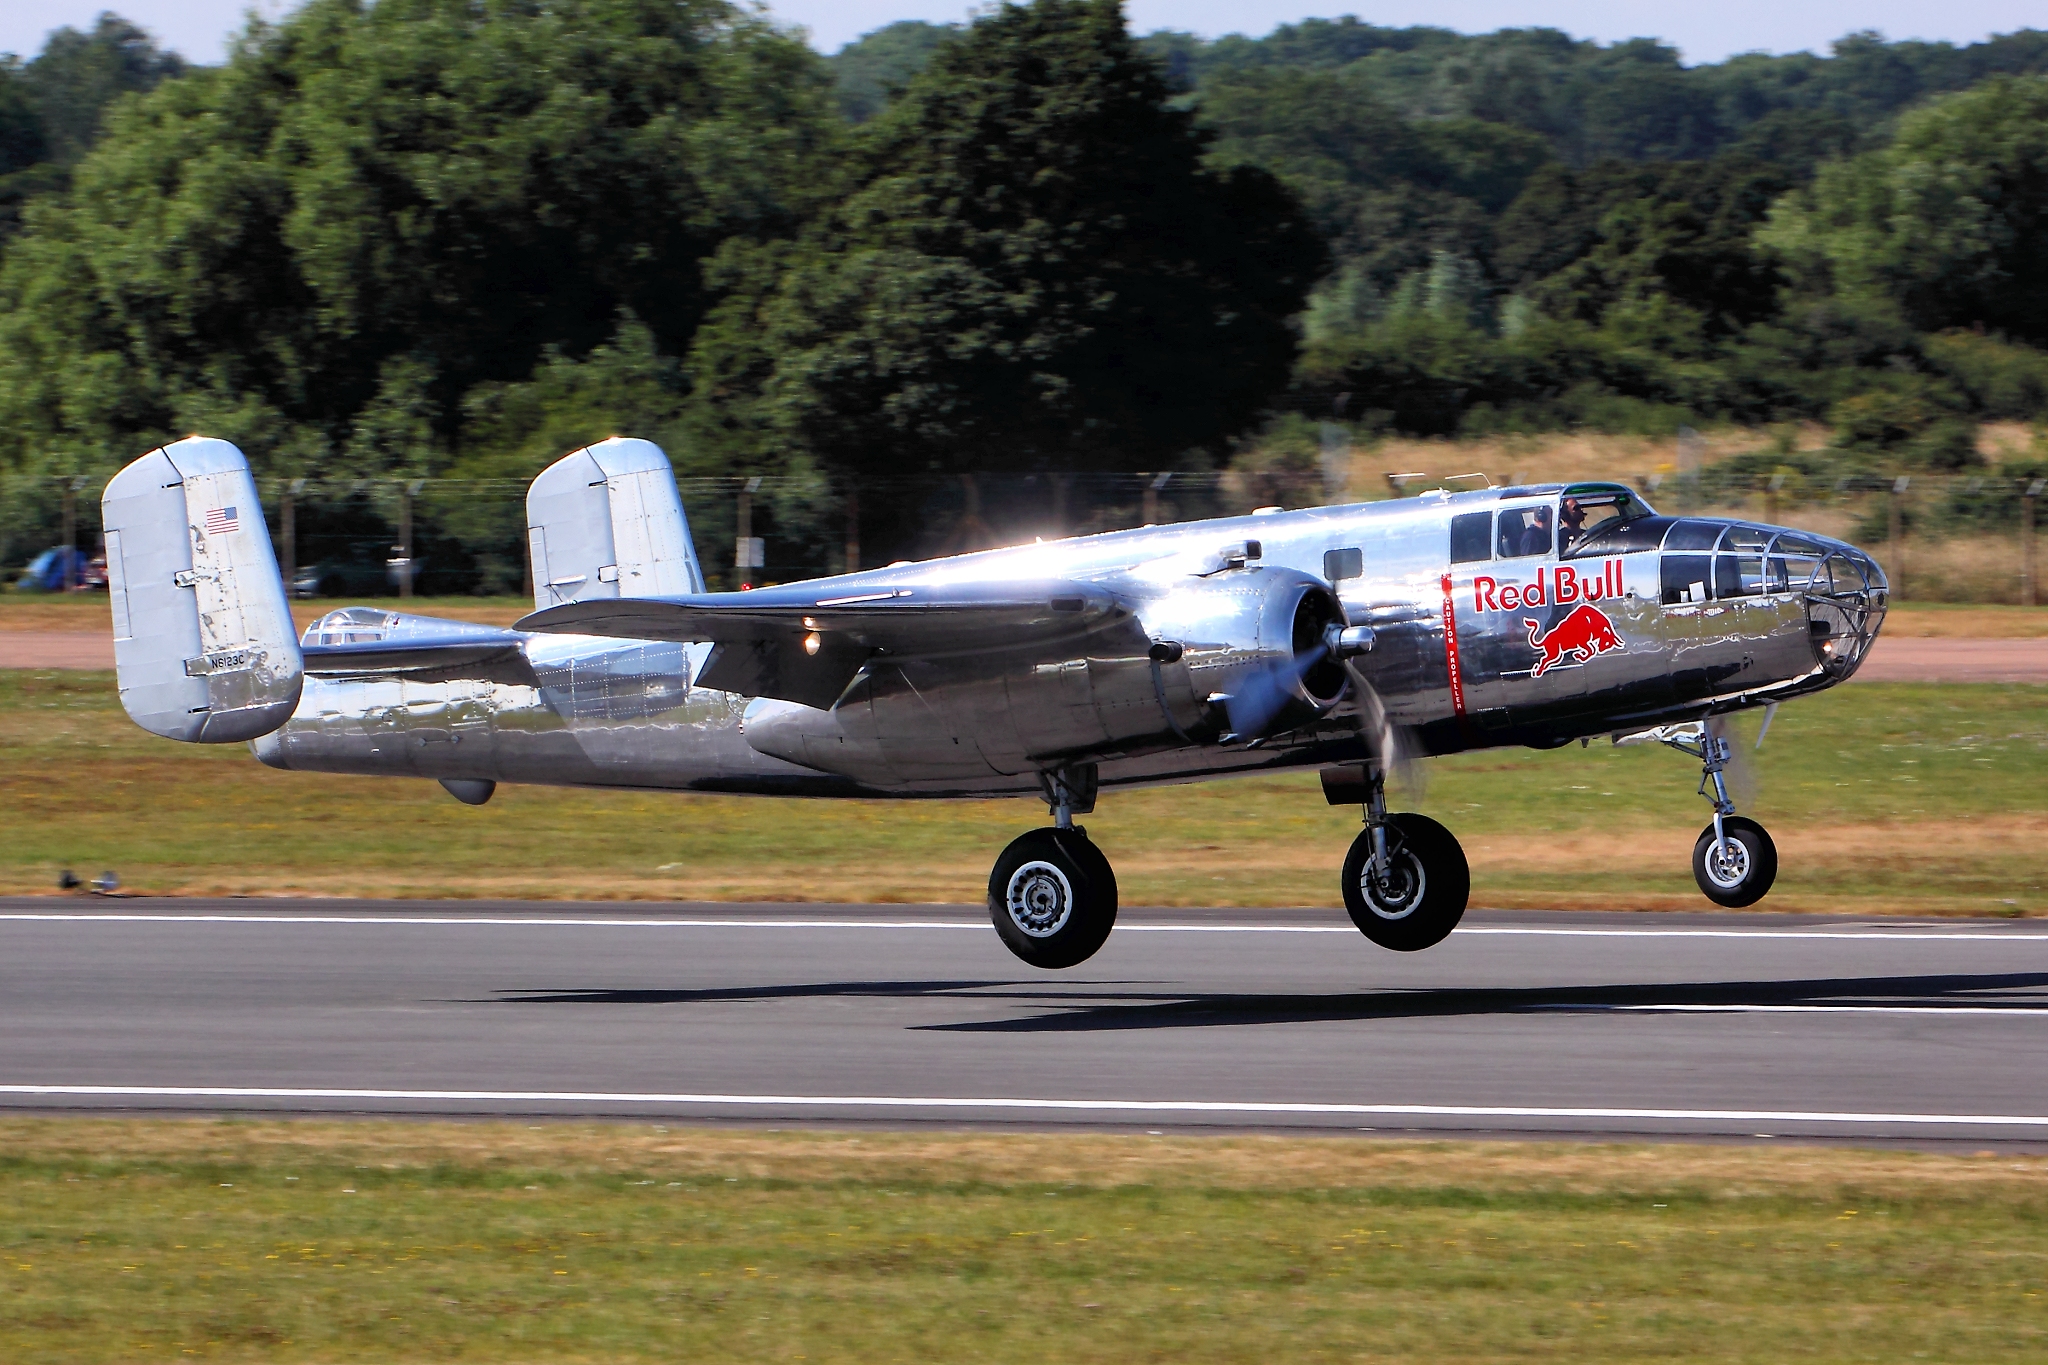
(811, 643)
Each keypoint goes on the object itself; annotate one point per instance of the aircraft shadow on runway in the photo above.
(719, 994)
(1107, 1006)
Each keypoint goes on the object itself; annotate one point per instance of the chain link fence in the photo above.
(1947, 537)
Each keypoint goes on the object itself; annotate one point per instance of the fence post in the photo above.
(746, 554)
(288, 529)
(2030, 579)
(1898, 529)
(71, 486)
(1152, 491)
(406, 493)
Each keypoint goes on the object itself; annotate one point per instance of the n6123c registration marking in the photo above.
(1561, 587)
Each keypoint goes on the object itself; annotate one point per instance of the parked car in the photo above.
(368, 569)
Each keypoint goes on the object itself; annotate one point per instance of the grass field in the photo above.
(305, 1241)
(1882, 797)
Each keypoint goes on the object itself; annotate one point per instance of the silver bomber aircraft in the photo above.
(1347, 639)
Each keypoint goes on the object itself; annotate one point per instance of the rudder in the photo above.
(204, 647)
(606, 522)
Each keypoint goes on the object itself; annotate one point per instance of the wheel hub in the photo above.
(1727, 863)
(1395, 895)
(1039, 899)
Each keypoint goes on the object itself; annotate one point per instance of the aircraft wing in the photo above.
(805, 642)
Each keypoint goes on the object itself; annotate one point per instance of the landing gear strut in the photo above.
(1052, 895)
(1734, 860)
(1405, 880)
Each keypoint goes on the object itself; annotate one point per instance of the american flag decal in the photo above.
(221, 520)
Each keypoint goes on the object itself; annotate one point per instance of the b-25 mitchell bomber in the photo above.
(1348, 639)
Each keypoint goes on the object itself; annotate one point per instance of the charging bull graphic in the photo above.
(1583, 634)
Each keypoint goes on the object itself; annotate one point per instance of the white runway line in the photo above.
(952, 1103)
(1973, 1011)
(579, 922)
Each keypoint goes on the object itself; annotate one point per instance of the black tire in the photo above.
(1755, 864)
(1052, 897)
(1428, 885)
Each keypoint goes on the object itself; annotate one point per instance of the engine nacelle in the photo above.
(1254, 645)
(1243, 654)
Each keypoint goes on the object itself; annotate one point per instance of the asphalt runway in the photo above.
(1736, 1026)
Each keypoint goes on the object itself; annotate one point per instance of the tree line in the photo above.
(455, 238)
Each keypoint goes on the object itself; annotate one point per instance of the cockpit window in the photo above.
(1524, 531)
(1618, 537)
(1588, 509)
(1751, 538)
(1693, 535)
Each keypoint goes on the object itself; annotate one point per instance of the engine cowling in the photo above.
(1255, 644)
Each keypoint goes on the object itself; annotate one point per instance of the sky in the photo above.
(1702, 32)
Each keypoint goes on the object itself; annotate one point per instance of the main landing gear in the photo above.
(1405, 880)
(1052, 895)
(1734, 860)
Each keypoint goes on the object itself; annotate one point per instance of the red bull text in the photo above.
(1560, 587)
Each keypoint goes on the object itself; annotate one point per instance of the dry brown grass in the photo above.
(1965, 621)
(89, 612)
(1564, 457)
(1252, 1162)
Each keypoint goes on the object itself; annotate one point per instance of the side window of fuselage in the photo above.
(1685, 579)
(1470, 533)
(1339, 565)
(1524, 531)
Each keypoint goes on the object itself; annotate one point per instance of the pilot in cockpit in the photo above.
(1571, 524)
(1536, 540)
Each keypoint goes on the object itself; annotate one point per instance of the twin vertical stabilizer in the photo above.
(607, 522)
(203, 640)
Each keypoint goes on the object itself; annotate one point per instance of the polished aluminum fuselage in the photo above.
(1453, 665)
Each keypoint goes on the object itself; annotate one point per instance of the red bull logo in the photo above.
(1581, 636)
(1564, 585)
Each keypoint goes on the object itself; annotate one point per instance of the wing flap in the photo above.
(805, 642)
(908, 619)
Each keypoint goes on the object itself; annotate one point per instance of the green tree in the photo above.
(78, 75)
(1387, 193)
(1947, 226)
(868, 72)
(1032, 270)
(319, 249)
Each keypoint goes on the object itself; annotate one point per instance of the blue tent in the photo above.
(46, 573)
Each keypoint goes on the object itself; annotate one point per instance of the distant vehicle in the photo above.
(1344, 639)
(369, 568)
(50, 570)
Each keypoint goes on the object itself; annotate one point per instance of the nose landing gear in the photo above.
(1734, 860)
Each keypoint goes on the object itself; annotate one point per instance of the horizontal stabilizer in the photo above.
(366, 642)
